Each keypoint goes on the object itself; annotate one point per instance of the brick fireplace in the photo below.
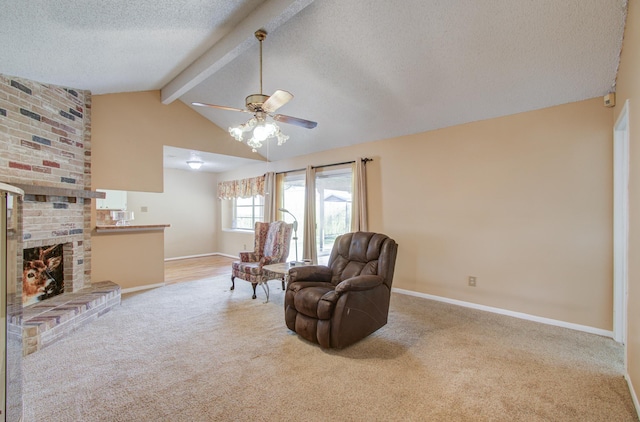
(53, 220)
(45, 145)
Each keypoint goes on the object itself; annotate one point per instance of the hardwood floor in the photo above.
(190, 269)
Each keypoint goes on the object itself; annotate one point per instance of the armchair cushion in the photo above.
(307, 300)
(249, 269)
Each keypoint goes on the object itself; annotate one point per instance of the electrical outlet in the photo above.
(244, 247)
(472, 281)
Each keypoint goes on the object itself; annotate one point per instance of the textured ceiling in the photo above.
(114, 45)
(363, 69)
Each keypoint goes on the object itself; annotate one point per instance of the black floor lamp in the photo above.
(295, 228)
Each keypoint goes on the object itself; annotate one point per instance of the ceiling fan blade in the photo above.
(294, 121)
(277, 100)
(220, 107)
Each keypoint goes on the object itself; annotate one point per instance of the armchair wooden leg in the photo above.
(254, 290)
(233, 284)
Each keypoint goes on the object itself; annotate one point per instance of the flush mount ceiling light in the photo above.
(260, 128)
(195, 164)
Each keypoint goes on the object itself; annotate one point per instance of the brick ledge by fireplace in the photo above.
(42, 192)
(48, 321)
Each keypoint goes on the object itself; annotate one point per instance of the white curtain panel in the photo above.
(309, 249)
(270, 197)
(359, 221)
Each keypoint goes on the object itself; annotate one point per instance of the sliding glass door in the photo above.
(292, 186)
(333, 207)
(334, 187)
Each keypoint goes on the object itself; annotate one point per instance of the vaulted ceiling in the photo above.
(363, 69)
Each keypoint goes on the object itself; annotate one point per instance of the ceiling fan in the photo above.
(261, 106)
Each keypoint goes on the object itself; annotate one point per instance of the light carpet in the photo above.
(197, 351)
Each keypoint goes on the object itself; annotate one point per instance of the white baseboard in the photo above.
(501, 311)
(153, 286)
(228, 256)
(146, 287)
(201, 255)
(634, 397)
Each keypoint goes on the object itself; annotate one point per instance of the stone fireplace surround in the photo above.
(45, 140)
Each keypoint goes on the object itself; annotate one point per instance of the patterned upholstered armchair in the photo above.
(271, 247)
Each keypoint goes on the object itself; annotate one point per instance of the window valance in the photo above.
(243, 188)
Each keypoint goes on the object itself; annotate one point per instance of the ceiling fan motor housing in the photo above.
(254, 101)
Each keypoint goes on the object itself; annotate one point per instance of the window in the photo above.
(246, 211)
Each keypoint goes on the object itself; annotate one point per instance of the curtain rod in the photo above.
(364, 160)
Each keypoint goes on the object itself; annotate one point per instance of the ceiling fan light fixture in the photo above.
(282, 138)
(265, 130)
(262, 133)
(236, 132)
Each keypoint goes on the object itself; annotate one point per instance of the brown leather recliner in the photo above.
(341, 303)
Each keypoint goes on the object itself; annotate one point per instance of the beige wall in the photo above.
(523, 203)
(232, 242)
(132, 260)
(127, 135)
(628, 88)
(189, 205)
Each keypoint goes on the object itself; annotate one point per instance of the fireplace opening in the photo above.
(43, 273)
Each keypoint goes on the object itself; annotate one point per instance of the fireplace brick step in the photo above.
(48, 321)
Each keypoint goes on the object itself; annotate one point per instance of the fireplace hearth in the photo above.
(59, 297)
(50, 320)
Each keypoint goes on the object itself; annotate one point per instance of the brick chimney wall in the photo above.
(45, 140)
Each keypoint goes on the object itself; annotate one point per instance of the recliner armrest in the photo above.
(326, 304)
(359, 283)
(310, 273)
